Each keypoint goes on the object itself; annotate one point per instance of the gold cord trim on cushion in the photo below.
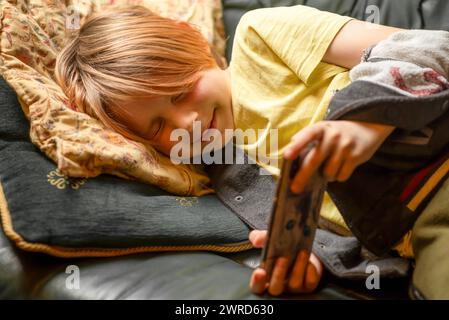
(67, 252)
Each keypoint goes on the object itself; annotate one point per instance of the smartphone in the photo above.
(294, 217)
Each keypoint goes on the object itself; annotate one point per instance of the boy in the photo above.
(145, 76)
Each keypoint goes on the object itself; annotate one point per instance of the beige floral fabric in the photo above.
(31, 34)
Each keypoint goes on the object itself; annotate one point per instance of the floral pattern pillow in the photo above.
(32, 33)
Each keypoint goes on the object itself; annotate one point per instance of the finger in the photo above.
(258, 238)
(346, 170)
(313, 259)
(335, 162)
(302, 139)
(276, 286)
(313, 273)
(311, 278)
(307, 164)
(258, 282)
(311, 163)
(296, 280)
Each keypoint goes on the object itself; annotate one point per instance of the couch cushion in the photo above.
(43, 210)
(11, 271)
(181, 275)
(434, 14)
(25, 275)
(410, 12)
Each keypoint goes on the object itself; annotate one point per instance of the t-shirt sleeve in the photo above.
(298, 35)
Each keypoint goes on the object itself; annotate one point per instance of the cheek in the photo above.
(204, 93)
(163, 143)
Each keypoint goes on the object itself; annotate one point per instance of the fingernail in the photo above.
(296, 189)
(258, 283)
(259, 242)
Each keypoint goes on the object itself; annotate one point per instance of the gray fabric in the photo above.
(416, 54)
(413, 118)
(366, 100)
(345, 258)
(243, 189)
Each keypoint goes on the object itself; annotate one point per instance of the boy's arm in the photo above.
(347, 47)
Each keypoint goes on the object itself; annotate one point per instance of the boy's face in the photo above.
(208, 102)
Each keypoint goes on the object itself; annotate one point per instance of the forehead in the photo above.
(145, 103)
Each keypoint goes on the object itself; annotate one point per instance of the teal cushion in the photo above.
(41, 206)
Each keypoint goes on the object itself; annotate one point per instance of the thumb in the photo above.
(258, 238)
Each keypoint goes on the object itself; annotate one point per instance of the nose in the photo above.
(184, 119)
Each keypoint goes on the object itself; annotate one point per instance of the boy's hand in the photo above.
(342, 146)
(304, 278)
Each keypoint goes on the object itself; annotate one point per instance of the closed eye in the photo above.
(156, 129)
(178, 97)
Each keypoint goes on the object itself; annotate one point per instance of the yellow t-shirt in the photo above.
(279, 81)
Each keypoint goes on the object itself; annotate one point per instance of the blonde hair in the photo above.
(130, 52)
